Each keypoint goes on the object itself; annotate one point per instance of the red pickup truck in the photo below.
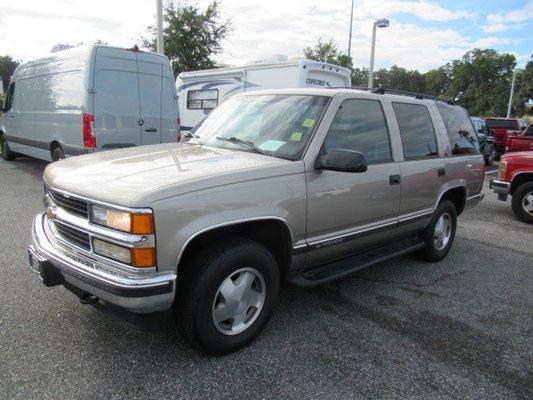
(522, 142)
(515, 178)
(503, 128)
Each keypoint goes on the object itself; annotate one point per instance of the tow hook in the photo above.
(88, 298)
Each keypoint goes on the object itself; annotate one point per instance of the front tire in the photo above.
(7, 154)
(226, 295)
(522, 202)
(439, 234)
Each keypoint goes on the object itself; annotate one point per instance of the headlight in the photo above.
(502, 170)
(125, 221)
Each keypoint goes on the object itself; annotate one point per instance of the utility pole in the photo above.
(160, 43)
(350, 37)
(511, 95)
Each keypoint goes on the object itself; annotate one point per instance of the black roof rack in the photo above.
(420, 96)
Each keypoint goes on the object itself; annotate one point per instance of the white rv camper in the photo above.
(201, 91)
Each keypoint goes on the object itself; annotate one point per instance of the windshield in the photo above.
(275, 125)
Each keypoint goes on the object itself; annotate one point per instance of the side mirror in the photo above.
(341, 160)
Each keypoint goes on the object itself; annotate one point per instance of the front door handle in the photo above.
(150, 130)
(395, 179)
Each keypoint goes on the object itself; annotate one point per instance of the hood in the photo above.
(518, 154)
(122, 176)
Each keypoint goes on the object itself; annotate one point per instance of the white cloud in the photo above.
(29, 28)
(513, 19)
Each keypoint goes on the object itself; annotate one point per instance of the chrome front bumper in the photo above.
(501, 188)
(143, 294)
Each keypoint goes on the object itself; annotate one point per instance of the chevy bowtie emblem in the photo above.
(51, 212)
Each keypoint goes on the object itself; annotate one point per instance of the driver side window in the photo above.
(360, 125)
(10, 97)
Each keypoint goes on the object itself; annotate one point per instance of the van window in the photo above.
(56, 92)
(416, 130)
(463, 138)
(360, 125)
(202, 99)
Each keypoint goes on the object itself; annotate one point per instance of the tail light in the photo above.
(89, 138)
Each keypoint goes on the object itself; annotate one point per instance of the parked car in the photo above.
(304, 185)
(502, 128)
(486, 140)
(201, 91)
(522, 142)
(515, 179)
(88, 98)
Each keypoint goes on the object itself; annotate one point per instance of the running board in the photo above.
(340, 269)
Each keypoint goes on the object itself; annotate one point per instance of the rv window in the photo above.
(202, 99)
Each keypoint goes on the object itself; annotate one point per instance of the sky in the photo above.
(422, 34)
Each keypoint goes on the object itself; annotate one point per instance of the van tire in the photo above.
(445, 214)
(518, 200)
(7, 154)
(200, 287)
(57, 153)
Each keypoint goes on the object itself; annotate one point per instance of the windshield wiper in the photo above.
(244, 143)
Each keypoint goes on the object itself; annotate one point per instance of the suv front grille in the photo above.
(70, 204)
(72, 235)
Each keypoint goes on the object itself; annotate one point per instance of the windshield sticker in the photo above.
(296, 137)
(271, 145)
(308, 123)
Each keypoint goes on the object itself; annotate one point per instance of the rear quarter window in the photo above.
(463, 138)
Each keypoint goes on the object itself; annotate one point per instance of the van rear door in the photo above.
(116, 107)
(150, 87)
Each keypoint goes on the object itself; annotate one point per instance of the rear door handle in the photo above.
(395, 179)
(150, 130)
(441, 171)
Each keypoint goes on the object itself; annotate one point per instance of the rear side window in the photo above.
(360, 125)
(416, 130)
(511, 124)
(202, 99)
(463, 138)
(529, 131)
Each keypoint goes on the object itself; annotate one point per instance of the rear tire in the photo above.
(57, 154)
(522, 202)
(439, 234)
(7, 154)
(226, 294)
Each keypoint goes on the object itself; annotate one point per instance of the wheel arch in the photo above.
(519, 179)
(272, 232)
(457, 195)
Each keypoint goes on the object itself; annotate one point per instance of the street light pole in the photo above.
(511, 95)
(350, 37)
(160, 43)
(372, 50)
(380, 23)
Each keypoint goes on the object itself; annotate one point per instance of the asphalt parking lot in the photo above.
(461, 328)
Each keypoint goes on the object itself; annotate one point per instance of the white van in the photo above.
(86, 99)
(201, 91)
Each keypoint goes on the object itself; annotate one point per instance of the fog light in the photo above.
(112, 251)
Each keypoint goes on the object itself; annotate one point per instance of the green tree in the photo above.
(438, 81)
(328, 52)
(525, 89)
(7, 67)
(191, 36)
(400, 79)
(480, 81)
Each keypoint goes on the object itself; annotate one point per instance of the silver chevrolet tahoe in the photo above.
(302, 185)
